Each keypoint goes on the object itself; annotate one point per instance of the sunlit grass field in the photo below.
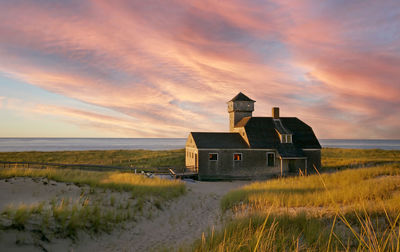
(371, 188)
(138, 184)
(119, 158)
(355, 209)
(333, 158)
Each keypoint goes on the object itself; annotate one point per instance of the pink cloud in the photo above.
(170, 67)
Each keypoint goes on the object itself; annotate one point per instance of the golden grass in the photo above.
(138, 184)
(334, 158)
(357, 209)
(65, 218)
(372, 188)
(119, 158)
(301, 233)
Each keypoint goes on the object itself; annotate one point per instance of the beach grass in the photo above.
(302, 233)
(338, 158)
(118, 158)
(65, 218)
(107, 199)
(137, 184)
(355, 209)
(349, 188)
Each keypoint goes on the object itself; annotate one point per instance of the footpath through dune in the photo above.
(179, 223)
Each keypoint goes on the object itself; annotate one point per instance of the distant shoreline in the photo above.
(10, 144)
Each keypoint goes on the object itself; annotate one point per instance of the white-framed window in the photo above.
(237, 156)
(270, 159)
(213, 156)
(286, 138)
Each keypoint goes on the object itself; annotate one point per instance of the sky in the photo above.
(133, 68)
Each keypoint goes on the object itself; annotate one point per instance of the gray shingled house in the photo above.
(255, 147)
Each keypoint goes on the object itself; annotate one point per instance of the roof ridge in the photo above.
(241, 97)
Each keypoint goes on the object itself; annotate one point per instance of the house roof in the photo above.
(218, 140)
(241, 97)
(261, 133)
(280, 128)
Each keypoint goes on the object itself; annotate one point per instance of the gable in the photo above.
(190, 142)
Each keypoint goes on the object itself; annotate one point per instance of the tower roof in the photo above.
(241, 97)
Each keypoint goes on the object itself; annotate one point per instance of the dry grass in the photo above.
(119, 158)
(65, 218)
(336, 158)
(366, 187)
(94, 211)
(138, 184)
(355, 209)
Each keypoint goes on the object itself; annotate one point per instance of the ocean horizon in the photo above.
(15, 144)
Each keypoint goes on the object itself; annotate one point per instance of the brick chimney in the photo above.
(275, 112)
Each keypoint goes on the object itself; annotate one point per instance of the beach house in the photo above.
(254, 147)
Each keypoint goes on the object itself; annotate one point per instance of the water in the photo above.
(361, 144)
(62, 144)
(72, 144)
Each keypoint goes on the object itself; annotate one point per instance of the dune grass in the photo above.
(95, 211)
(301, 233)
(356, 209)
(64, 218)
(349, 188)
(119, 158)
(138, 184)
(336, 158)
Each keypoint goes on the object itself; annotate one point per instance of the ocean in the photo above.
(72, 144)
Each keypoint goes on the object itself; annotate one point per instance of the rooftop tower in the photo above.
(239, 107)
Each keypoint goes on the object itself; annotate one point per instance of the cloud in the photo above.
(169, 67)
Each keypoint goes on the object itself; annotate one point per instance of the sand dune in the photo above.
(179, 222)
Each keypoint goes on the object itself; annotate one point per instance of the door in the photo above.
(292, 165)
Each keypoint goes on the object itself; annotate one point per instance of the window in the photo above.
(237, 156)
(286, 138)
(213, 156)
(270, 159)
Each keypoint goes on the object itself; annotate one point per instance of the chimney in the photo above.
(275, 112)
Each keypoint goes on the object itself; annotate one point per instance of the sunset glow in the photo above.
(164, 68)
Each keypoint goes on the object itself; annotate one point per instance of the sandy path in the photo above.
(179, 223)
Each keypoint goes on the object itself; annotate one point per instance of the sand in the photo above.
(180, 221)
(28, 191)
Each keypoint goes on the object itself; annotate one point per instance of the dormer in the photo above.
(285, 138)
